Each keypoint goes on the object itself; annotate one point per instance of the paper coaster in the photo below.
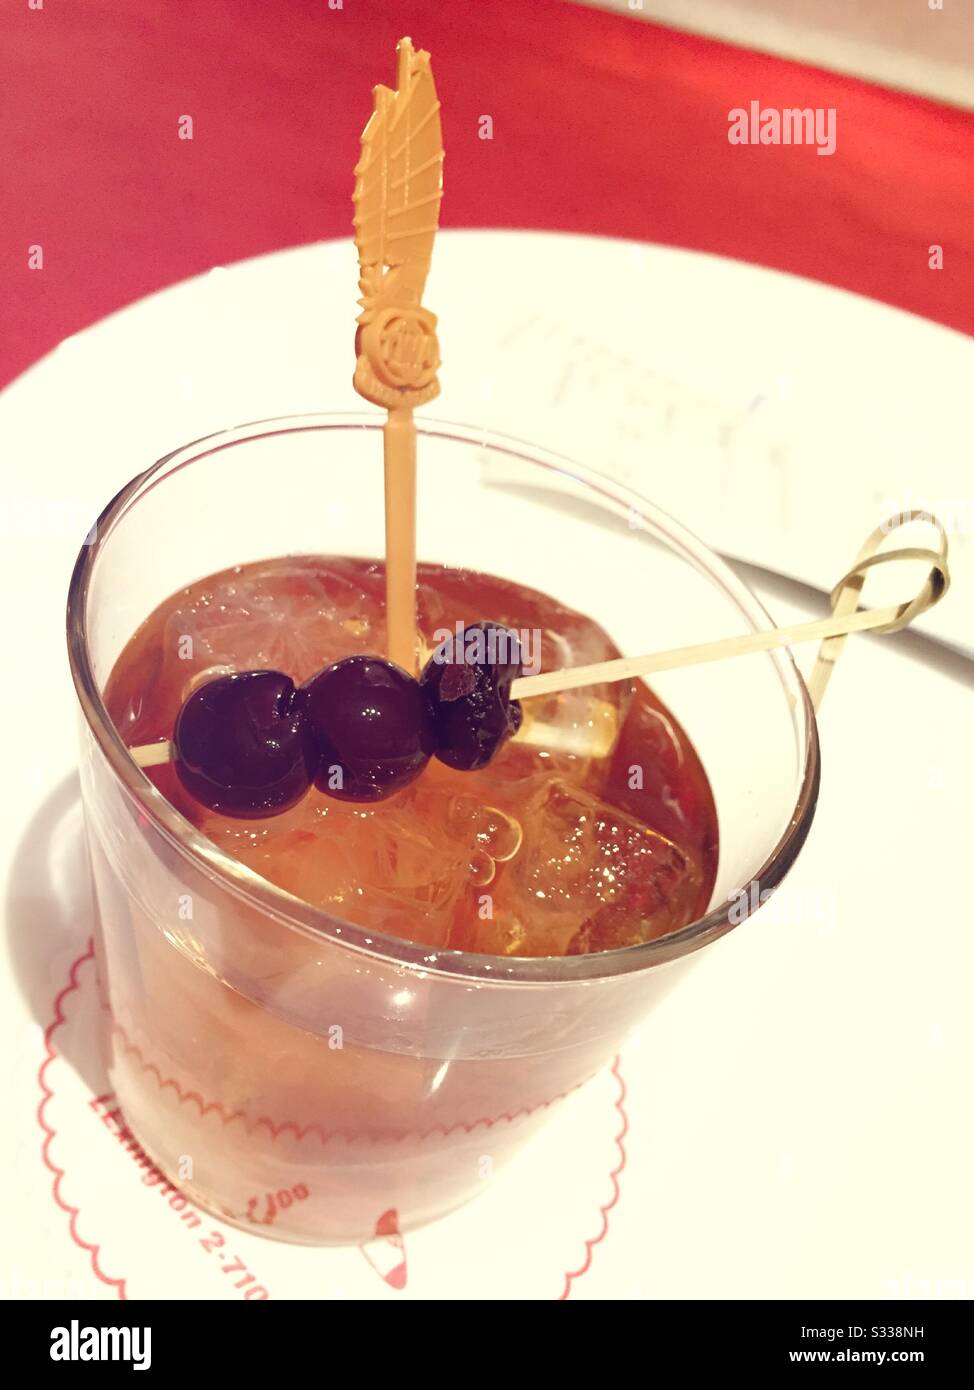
(531, 1234)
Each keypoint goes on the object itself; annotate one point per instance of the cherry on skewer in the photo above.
(250, 744)
(371, 725)
(467, 682)
(243, 745)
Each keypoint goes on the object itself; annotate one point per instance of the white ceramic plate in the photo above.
(800, 1096)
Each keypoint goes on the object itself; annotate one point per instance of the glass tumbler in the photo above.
(284, 1051)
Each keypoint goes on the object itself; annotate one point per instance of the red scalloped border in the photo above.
(278, 1127)
(572, 1275)
(93, 1249)
(48, 1094)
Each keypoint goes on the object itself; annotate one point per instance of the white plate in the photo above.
(801, 1098)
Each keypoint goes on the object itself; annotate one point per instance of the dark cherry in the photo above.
(371, 726)
(243, 746)
(467, 682)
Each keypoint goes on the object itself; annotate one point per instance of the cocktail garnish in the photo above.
(398, 188)
(241, 740)
(371, 725)
(470, 699)
(250, 744)
(243, 744)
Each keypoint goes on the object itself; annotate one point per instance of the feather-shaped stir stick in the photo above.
(398, 187)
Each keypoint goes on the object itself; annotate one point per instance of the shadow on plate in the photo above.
(51, 917)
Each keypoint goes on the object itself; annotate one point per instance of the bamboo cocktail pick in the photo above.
(398, 187)
(831, 632)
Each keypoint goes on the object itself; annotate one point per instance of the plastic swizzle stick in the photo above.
(398, 187)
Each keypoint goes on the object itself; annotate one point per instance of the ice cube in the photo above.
(587, 877)
(294, 618)
(488, 829)
(573, 724)
(576, 726)
(389, 866)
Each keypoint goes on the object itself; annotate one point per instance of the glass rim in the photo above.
(241, 881)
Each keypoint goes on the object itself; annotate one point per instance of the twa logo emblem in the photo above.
(387, 1253)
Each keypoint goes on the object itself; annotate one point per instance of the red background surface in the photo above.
(601, 124)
